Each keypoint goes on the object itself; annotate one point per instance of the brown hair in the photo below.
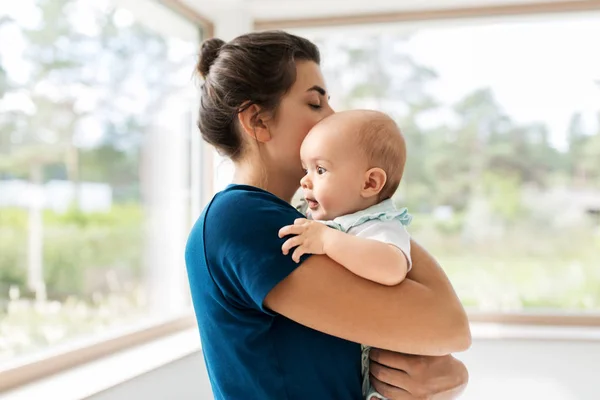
(256, 68)
(383, 144)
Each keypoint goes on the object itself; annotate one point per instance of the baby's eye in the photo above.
(321, 170)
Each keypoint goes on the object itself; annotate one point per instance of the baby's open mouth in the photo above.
(312, 203)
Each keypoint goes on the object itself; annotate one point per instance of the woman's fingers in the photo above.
(421, 376)
(389, 391)
(390, 376)
(291, 243)
(392, 359)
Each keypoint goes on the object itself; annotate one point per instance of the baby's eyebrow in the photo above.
(316, 160)
(320, 160)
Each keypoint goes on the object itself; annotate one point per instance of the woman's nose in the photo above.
(328, 111)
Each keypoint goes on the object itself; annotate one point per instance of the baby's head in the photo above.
(353, 160)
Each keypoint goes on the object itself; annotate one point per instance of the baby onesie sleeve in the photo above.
(392, 232)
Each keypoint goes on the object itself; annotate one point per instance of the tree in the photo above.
(108, 64)
(583, 153)
(377, 72)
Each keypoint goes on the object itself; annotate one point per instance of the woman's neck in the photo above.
(272, 182)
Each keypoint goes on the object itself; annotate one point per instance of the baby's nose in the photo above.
(305, 182)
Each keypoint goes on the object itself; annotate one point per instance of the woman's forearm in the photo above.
(427, 272)
(421, 315)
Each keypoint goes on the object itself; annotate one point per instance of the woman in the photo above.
(274, 329)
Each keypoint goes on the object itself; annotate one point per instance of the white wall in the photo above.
(499, 370)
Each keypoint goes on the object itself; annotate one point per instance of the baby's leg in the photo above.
(368, 391)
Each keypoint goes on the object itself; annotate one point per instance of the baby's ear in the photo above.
(375, 180)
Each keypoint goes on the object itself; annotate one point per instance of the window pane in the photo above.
(502, 123)
(96, 107)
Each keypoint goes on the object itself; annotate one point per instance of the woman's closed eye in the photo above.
(314, 106)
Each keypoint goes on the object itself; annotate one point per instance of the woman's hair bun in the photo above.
(209, 51)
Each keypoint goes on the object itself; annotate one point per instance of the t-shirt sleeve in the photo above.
(242, 245)
(391, 232)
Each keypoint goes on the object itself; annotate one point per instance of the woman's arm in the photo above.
(422, 315)
(402, 376)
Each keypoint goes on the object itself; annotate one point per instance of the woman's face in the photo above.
(305, 104)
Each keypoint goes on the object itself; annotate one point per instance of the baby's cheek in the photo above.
(326, 198)
(333, 204)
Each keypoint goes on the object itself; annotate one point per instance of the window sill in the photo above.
(537, 318)
(57, 360)
(102, 374)
(502, 331)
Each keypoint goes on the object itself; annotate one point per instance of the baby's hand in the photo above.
(310, 238)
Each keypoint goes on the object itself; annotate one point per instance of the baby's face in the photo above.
(335, 171)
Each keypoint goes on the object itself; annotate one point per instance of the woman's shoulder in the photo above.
(240, 208)
(236, 199)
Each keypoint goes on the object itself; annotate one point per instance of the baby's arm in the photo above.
(371, 259)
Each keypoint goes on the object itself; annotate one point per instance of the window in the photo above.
(96, 112)
(502, 122)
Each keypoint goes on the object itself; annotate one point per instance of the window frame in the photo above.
(425, 15)
(541, 318)
(47, 363)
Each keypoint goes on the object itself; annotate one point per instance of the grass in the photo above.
(512, 269)
(521, 267)
(27, 325)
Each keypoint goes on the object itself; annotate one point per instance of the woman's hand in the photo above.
(407, 377)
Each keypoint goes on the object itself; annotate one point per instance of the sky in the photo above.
(539, 70)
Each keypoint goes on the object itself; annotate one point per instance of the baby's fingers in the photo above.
(291, 230)
(299, 252)
(291, 243)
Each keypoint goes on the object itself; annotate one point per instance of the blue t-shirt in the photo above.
(234, 259)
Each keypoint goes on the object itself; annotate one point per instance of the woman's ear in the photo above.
(254, 124)
(375, 180)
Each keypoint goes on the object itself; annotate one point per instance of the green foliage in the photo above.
(13, 249)
(27, 325)
(504, 195)
(81, 251)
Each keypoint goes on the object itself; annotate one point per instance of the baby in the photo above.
(354, 162)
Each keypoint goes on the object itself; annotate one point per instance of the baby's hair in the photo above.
(383, 144)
